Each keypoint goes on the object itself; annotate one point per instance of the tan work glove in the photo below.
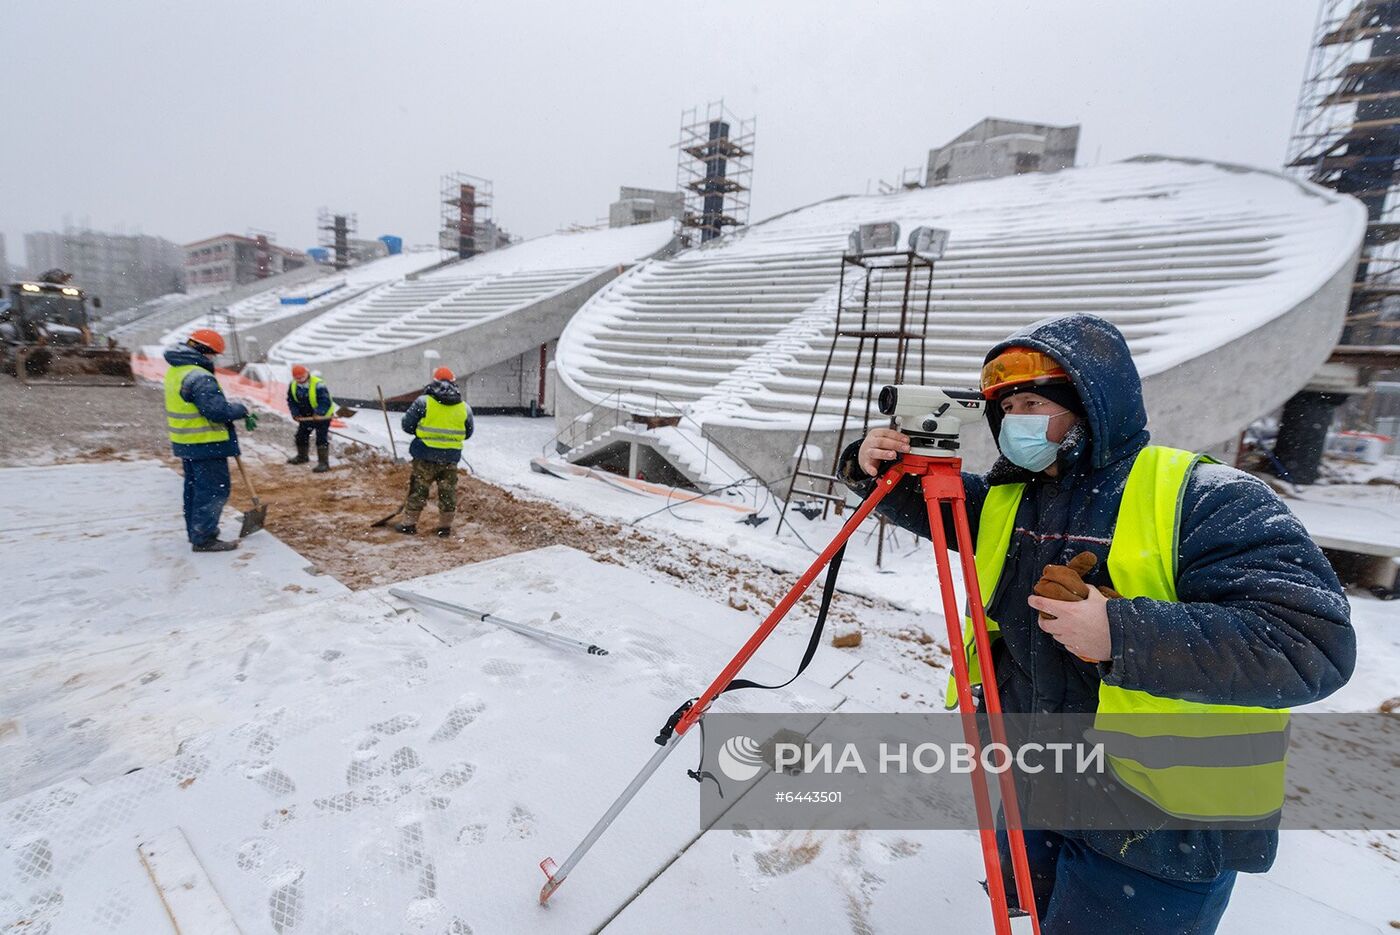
(1066, 582)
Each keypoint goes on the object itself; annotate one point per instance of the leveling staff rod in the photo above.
(941, 481)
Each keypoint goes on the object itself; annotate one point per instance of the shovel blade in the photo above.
(253, 521)
(385, 521)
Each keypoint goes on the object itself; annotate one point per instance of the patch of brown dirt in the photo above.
(328, 517)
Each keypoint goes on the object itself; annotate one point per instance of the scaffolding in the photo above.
(909, 178)
(1346, 136)
(336, 228)
(883, 294)
(714, 169)
(466, 228)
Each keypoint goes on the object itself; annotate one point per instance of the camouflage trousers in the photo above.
(420, 482)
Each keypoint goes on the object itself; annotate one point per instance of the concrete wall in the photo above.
(1211, 398)
(511, 384)
(476, 347)
(644, 205)
(993, 148)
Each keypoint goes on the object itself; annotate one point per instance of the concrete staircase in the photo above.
(688, 452)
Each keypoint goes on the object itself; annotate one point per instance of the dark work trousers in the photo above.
(1079, 891)
(322, 428)
(425, 474)
(206, 492)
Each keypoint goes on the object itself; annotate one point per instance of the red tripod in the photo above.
(941, 480)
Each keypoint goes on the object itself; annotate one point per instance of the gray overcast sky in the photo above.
(187, 118)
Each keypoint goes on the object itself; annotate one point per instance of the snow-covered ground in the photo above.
(343, 762)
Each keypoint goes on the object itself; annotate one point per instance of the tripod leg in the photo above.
(1015, 839)
(671, 735)
(986, 825)
(556, 875)
(887, 482)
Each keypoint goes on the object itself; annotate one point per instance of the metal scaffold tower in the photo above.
(336, 228)
(1346, 136)
(262, 250)
(714, 169)
(467, 228)
(884, 294)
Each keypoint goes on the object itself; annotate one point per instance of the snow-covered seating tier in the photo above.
(152, 323)
(305, 301)
(1195, 261)
(474, 314)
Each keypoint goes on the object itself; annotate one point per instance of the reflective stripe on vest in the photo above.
(1190, 759)
(183, 423)
(443, 426)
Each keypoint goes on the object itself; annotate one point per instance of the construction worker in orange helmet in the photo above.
(439, 422)
(199, 421)
(310, 404)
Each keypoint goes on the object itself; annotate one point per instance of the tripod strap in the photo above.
(828, 591)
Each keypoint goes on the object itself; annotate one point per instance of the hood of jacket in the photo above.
(444, 391)
(1095, 355)
(182, 355)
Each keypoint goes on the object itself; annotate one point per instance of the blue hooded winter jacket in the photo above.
(203, 390)
(299, 400)
(447, 393)
(1261, 618)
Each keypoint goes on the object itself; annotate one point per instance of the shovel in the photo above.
(385, 521)
(253, 519)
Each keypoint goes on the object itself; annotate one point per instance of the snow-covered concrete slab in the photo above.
(98, 550)
(386, 804)
(128, 704)
(1367, 528)
(189, 898)
(538, 588)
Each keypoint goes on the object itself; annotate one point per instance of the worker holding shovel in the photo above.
(199, 421)
(309, 401)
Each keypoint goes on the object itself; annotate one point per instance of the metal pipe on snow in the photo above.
(488, 617)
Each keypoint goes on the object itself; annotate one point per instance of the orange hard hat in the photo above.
(1020, 366)
(444, 373)
(299, 372)
(207, 337)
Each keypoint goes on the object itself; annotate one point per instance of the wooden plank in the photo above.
(189, 897)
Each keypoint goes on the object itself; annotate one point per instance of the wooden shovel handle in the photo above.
(246, 482)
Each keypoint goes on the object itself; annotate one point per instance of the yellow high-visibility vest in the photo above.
(314, 384)
(1190, 759)
(443, 426)
(183, 423)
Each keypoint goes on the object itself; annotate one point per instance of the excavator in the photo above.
(46, 336)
